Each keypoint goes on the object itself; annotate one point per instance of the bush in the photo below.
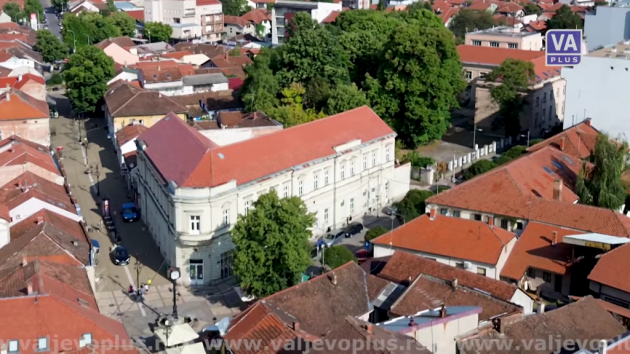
(515, 152)
(440, 189)
(478, 168)
(374, 233)
(336, 256)
(416, 160)
(413, 204)
(535, 141)
(502, 160)
(55, 79)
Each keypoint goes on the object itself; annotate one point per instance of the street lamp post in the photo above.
(98, 180)
(88, 38)
(523, 135)
(74, 41)
(149, 34)
(475, 135)
(138, 267)
(174, 274)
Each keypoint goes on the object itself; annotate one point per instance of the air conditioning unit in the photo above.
(467, 265)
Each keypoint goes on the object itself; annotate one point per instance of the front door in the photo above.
(226, 265)
(195, 270)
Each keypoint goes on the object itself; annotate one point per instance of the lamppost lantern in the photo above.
(174, 274)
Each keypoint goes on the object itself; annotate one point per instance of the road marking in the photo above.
(144, 314)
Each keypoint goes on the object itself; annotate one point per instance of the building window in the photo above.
(477, 217)
(285, 192)
(351, 168)
(325, 217)
(513, 45)
(547, 277)
(326, 177)
(459, 265)
(544, 97)
(443, 211)
(365, 159)
(457, 213)
(544, 115)
(481, 271)
(537, 101)
(477, 43)
(494, 44)
(504, 224)
(482, 75)
(42, 344)
(531, 273)
(14, 346)
(519, 226)
(468, 75)
(85, 340)
(387, 157)
(343, 171)
(195, 223)
(550, 112)
(387, 189)
(300, 187)
(536, 120)
(351, 205)
(315, 181)
(248, 204)
(226, 264)
(226, 217)
(374, 158)
(562, 113)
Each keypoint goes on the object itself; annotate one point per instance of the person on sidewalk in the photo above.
(131, 290)
(146, 288)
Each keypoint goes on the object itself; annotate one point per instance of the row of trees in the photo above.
(90, 28)
(403, 64)
(18, 14)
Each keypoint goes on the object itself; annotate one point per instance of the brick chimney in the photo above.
(369, 328)
(24, 261)
(432, 213)
(454, 283)
(8, 95)
(557, 189)
(588, 121)
(40, 220)
(443, 311)
(29, 288)
(255, 115)
(555, 238)
(562, 144)
(491, 221)
(333, 278)
(296, 326)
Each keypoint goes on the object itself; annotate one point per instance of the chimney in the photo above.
(8, 92)
(562, 144)
(255, 115)
(557, 189)
(40, 220)
(29, 288)
(333, 279)
(159, 67)
(588, 122)
(24, 261)
(296, 326)
(541, 307)
(412, 322)
(432, 213)
(603, 347)
(369, 328)
(443, 311)
(491, 221)
(454, 283)
(555, 238)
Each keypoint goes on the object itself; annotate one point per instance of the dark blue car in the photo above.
(130, 212)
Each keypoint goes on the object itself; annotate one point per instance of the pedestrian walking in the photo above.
(131, 290)
(146, 288)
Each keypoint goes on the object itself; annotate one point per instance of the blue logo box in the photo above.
(564, 47)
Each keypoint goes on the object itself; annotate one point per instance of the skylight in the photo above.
(567, 159)
(548, 170)
(555, 163)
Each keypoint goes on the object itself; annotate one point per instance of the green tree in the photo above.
(416, 160)
(510, 81)
(261, 87)
(418, 81)
(110, 9)
(502, 160)
(51, 48)
(336, 256)
(535, 141)
(86, 75)
(478, 168)
(515, 151)
(34, 6)
(374, 233)
(55, 79)
(88, 28)
(292, 112)
(317, 93)
(124, 22)
(344, 98)
(158, 32)
(467, 20)
(60, 5)
(381, 5)
(413, 204)
(235, 7)
(418, 6)
(565, 18)
(14, 11)
(602, 185)
(272, 247)
(531, 8)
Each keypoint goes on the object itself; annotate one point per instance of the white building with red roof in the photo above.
(190, 19)
(192, 189)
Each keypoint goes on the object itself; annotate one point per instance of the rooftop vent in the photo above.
(613, 50)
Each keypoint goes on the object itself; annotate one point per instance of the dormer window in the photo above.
(86, 339)
(42, 344)
(14, 346)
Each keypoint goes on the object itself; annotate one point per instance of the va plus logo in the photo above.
(564, 47)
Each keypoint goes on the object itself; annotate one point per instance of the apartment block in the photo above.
(190, 19)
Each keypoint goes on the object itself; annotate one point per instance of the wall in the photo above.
(231, 136)
(612, 295)
(148, 121)
(608, 25)
(125, 76)
(5, 233)
(17, 62)
(120, 55)
(22, 70)
(399, 182)
(530, 42)
(324, 9)
(34, 205)
(440, 338)
(548, 287)
(517, 226)
(35, 90)
(522, 299)
(603, 100)
(8, 173)
(4, 18)
(175, 88)
(35, 130)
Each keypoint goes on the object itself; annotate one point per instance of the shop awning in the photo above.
(176, 335)
(196, 348)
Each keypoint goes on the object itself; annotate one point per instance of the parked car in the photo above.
(332, 238)
(354, 229)
(362, 255)
(121, 256)
(130, 212)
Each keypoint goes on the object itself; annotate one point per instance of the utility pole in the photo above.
(98, 181)
(74, 41)
(138, 267)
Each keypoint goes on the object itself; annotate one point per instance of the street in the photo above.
(51, 17)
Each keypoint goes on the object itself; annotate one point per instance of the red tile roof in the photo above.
(450, 237)
(509, 7)
(26, 78)
(473, 54)
(207, 2)
(480, 5)
(29, 185)
(129, 133)
(508, 20)
(611, 269)
(535, 249)
(445, 10)
(579, 140)
(235, 83)
(618, 310)
(202, 163)
(538, 25)
(62, 321)
(22, 153)
(257, 16)
(69, 226)
(234, 20)
(403, 266)
(136, 15)
(176, 55)
(332, 17)
(19, 105)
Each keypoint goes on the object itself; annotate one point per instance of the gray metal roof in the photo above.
(205, 79)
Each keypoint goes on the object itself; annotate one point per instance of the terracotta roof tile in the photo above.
(129, 133)
(332, 17)
(128, 100)
(614, 309)
(209, 50)
(480, 5)
(122, 42)
(257, 16)
(207, 165)
(137, 15)
(450, 237)
(403, 266)
(29, 185)
(23, 152)
(427, 293)
(584, 320)
(578, 140)
(176, 55)
(538, 25)
(234, 20)
(29, 78)
(509, 7)
(494, 56)
(535, 249)
(611, 269)
(375, 286)
(19, 105)
(207, 2)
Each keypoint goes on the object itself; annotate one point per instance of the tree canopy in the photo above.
(272, 247)
(124, 22)
(511, 80)
(531, 8)
(404, 65)
(34, 6)
(51, 48)
(235, 7)
(412, 205)
(86, 74)
(14, 11)
(478, 168)
(336, 256)
(88, 28)
(565, 18)
(602, 185)
(374, 233)
(158, 32)
(468, 20)
(60, 5)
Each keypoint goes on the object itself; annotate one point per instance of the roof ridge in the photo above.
(129, 100)
(70, 306)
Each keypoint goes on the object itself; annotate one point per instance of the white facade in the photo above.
(15, 62)
(317, 10)
(124, 76)
(192, 225)
(224, 137)
(34, 205)
(5, 233)
(23, 70)
(177, 88)
(188, 18)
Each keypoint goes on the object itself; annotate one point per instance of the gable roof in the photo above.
(234, 20)
(208, 165)
(137, 15)
(29, 185)
(29, 78)
(331, 17)
(450, 237)
(22, 152)
(16, 104)
(123, 42)
(578, 140)
(536, 249)
(258, 16)
(472, 54)
(129, 133)
(611, 269)
(427, 293)
(509, 7)
(403, 267)
(127, 100)
(69, 226)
